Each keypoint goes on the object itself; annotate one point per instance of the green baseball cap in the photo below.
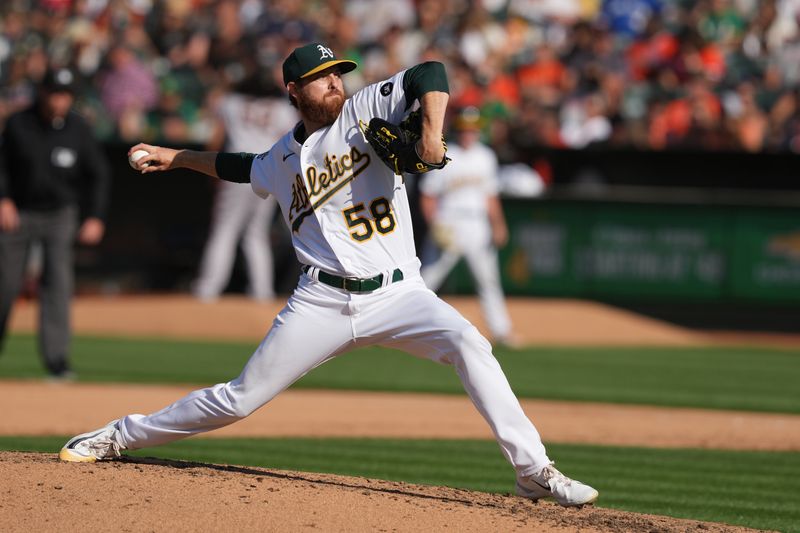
(310, 59)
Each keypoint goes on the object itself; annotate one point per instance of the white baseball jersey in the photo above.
(461, 189)
(348, 212)
(252, 124)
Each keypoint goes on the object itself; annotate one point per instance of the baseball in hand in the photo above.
(135, 156)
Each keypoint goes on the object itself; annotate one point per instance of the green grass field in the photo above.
(745, 488)
(755, 489)
(755, 379)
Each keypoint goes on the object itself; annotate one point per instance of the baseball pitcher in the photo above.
(463, 210)
(337, 177)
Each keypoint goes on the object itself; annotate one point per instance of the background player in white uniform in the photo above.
(461, 206)
(248, 122)
(351, 228)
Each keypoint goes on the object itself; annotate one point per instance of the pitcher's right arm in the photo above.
(227, 166)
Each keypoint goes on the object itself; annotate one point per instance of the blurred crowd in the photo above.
(648, 74)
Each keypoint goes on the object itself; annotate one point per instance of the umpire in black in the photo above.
(52, 171)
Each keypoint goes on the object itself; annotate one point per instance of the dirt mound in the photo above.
(151, 494)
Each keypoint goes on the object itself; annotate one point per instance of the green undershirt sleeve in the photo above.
(424, 78)
(234, 167)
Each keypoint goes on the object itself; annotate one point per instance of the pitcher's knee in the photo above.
(473, 342)
(239, 401)
(468, 344)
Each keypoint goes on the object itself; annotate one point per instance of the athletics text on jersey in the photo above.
(348, 212)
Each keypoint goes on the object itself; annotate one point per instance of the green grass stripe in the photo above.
(745, 378)
(755, 489)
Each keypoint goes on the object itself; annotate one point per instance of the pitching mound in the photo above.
(42, 494)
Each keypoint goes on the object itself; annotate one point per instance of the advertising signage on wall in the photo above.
(767, 256)
(659, 252)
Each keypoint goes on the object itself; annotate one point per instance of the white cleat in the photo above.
(92, 446)
(550, 483)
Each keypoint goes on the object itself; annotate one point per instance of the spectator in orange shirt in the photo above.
(671, 122)
(546, 69)
(697, 57)
(654, 49)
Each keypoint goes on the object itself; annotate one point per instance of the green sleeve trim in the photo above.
(424, 78)
(234, 167)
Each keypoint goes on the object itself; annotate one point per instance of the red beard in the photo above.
(324, 112)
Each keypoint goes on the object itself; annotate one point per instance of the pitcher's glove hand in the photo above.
(396, 144)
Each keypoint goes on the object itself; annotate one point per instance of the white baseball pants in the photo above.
(483, 264)
(238, 214)
(320, 322)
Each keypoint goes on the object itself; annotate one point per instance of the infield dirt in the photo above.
(536, 321)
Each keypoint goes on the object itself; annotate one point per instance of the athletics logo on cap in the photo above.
(310, 59)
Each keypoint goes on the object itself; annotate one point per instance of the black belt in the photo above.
(354, 284)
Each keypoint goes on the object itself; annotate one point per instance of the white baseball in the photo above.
(135, 156)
